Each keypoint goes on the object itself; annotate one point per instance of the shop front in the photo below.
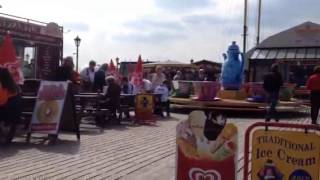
(297, 51)
(39, 45)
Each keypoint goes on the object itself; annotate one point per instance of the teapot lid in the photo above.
(234, 47)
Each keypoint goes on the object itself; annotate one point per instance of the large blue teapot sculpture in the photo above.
(232, 69)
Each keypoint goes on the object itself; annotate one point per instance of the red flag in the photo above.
(112, 67)
(139, 68)
(137, 76)
(9, 60)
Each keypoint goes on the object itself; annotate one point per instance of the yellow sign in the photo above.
(285, 155)
(144, 106)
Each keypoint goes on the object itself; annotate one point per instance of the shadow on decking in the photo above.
(41, 143)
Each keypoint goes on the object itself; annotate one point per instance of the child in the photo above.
(10, 105)
(164, 90)
(127, 87)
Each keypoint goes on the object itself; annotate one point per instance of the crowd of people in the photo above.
(93, 79)
(159, 82)
(111, 85)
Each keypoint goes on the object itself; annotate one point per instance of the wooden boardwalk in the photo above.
(119, 152)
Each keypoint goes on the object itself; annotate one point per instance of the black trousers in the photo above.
(315, 105)
(166, 106)
(10, 113)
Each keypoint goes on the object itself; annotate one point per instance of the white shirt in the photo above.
(87, 75)
(163, 90)
(147, 86)
(157, 79)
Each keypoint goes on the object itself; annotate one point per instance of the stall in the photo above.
(39, 45)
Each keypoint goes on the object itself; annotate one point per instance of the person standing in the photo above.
(178, 76)
(272, 84)
(112, 98)
(313, 84)
(158, 77)
(67, 72)
(126, 86)
(100, 78)
(87, 76)
(163, 89)
(10, 105)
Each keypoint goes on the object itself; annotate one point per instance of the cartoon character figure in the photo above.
(144, 102)
(270, 172)
(232, 69)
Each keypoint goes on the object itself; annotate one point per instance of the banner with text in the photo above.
(281, 155)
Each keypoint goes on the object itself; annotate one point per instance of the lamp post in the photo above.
(77, 41)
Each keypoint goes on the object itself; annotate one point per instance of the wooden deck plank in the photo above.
(125, 152)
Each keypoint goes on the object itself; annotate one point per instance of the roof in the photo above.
(286, 53)
(304, 35)
(206, 61)
(169, 63)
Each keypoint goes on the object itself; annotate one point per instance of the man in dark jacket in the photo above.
(112, 97)
(100, 78)
(272, 84)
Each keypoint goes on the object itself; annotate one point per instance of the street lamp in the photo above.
(77, 41)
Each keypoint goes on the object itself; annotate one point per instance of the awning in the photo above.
(286, 53)
(170, 63)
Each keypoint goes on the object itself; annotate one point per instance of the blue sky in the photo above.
(160, 29)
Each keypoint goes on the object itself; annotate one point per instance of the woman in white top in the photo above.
(158, 77)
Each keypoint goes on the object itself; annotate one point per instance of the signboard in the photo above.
(51, 33)
(205, 154)
(144, 107)
(284, 155)
(47, 61)
(49, 106)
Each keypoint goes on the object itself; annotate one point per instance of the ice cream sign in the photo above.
(206, 148)
(49, 106)
(284, 155)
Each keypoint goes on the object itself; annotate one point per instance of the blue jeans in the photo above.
(273, 98)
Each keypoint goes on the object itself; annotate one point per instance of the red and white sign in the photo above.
(200, 174)
(200, 158)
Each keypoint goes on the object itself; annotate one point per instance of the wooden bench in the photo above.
(88, 105)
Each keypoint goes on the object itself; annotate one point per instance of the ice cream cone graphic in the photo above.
(228, 133)
(197, 120)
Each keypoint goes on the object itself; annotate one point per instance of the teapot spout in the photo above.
(224, 56)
